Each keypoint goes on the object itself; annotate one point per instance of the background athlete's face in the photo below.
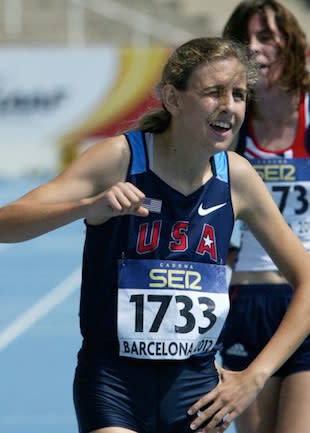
(266, 41)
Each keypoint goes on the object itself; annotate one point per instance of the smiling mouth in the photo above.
(221, 126)
(262, 66)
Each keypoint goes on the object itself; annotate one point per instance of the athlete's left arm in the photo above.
(254, 205)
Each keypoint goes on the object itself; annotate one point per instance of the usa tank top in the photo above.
(154, 287)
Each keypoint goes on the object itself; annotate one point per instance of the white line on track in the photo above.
(42, 307)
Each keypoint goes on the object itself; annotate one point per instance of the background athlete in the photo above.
(159, 204)
(276, 140)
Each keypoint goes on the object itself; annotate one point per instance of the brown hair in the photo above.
(295, 75)
(181, 65)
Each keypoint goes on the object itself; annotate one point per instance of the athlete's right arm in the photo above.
(92, 187)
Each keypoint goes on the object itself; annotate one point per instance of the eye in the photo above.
(239, 95)
(265, 36)
(213, 92)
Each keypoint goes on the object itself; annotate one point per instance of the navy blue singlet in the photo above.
(153, 301)
(194, 228)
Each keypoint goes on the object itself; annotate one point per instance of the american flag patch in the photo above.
(152, 204)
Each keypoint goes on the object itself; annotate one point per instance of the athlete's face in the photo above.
(212, 107)
(265, 42)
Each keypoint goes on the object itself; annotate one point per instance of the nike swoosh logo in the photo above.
(207, 211)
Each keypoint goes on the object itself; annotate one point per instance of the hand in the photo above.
(121, 199)
(218, 409)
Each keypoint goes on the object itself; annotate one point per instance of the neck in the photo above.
(275, 118)
(267, 103)
(178, 164)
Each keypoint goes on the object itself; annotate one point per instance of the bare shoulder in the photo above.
(239, 167)
(249, 193)
(113, 150)
(106, 162)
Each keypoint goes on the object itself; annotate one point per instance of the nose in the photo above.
(254, 44)
(227, 101)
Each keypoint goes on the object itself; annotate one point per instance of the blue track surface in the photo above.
(39, 333)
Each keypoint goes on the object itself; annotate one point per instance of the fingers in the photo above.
(125, 198)
(219, 369)
(215, 411)
(212, 415)
(218, 423)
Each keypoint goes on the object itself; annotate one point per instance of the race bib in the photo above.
(288, 181)
(170, 309)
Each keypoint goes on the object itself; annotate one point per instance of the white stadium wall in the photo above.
(53, 98)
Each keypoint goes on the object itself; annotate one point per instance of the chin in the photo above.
(265, 82)
(222, 145)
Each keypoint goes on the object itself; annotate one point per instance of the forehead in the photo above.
(225, 72)
(263, 22)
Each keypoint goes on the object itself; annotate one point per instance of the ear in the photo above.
(170, 99)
